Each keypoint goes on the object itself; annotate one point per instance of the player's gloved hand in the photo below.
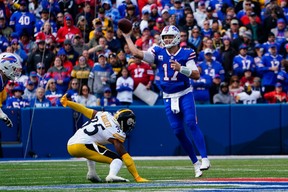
(8, 122)
(64, 100)
(140, 179)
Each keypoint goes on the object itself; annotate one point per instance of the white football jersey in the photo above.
(249, 99)
(98, 130)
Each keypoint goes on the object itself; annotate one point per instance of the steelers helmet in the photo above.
(126, 118)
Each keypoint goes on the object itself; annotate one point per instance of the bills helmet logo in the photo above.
(10, 59)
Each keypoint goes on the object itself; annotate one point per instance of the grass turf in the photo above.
(51, 173)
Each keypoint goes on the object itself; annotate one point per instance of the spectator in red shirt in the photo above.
(141, 73)
(68, 31)
(276, 96)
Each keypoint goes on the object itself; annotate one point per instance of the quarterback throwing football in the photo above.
(103, 128)
(175, 67)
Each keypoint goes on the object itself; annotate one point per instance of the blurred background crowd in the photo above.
(74, 47)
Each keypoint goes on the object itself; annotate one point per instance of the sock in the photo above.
(91, 167)
(115, 166)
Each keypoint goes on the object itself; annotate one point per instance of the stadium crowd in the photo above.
(75, 47)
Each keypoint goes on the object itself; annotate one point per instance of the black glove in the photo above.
(8, 122)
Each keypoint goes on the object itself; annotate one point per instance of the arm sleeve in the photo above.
(81, 108)
(148, 57)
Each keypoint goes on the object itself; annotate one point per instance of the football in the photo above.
(125, 25)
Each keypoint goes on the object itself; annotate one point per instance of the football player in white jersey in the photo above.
(103, 128)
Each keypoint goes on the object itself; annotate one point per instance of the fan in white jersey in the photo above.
(248, 96)
(103, 128)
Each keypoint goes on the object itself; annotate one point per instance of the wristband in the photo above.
(185, 71)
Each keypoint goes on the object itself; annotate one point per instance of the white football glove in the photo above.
(5, 118)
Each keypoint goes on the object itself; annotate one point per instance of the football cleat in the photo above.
(93, 178)
(198, 172)
(115, 179)
(205, 164)
(140, 179)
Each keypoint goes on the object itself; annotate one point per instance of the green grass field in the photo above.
(66, 173)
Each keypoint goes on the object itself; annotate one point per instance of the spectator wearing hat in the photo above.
(271, 40)
(224, 96)
(17, 100)
(146, 40)
(247, 77)
(113, 44)
(206, 30)
(276, 96)
(87, 13)
(20, 52)
(256, 28)
(60, 74)
(40, 99)
(81, 71)
(70, 52)
(78, 44)
(113, 61)
(144, 19)
(84, 27)
(40, 55)
(157, 29)
(44, 17)
(215, 53)
(200, 13)
(210, 66)
(85, 97)
(122, 7)
(243, 61)
(9, 87)
(227, 53)
(233, 31)
(94, 37)
(131, 13)
(211, 16)
(177, 10)
(111, 12)
(101, 76)
(16, 20)
(68, 31)
(259, 52)
(248, 96)
(154, 11)
(269, 68)
(279, 31)
(52, 93)
(214, 88)
(108, 99)
(34, 78)
(42, 75)
(125, 87)
(29, 91)
(65, 61)
(105, 20)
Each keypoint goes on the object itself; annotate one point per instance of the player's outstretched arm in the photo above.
(5, 118)
(89, 113)
(134, 50)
